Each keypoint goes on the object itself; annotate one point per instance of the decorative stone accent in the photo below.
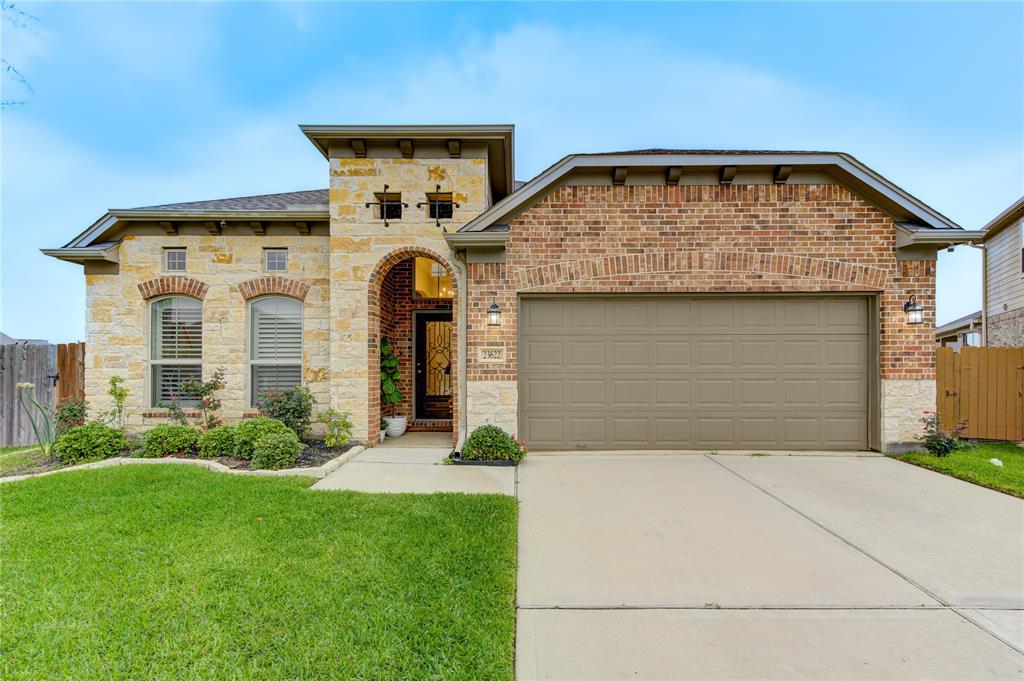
(492, 402)
(903, 405)
(1006, 329)
(163, 286)
(273, 285)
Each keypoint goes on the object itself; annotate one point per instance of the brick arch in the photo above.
(181, 285)
(273, 285)
(774, 265)
(374, 283)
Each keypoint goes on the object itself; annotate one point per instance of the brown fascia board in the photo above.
(115, 216)
(322, 135)
(1004, 219)
(845, 167)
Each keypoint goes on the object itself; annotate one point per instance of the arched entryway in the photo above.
(412, 302)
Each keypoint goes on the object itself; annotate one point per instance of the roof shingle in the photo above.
(304, 200)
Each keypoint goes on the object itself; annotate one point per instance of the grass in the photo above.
(19, 459)
(973, 465)
(174, 572)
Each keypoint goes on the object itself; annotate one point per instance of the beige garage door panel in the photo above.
(654, 373)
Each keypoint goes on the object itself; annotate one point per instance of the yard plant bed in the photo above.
(316, 453)
(973, 465)
(158, 572)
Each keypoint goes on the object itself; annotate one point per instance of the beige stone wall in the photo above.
(1006, 330)
(493, 402)
(117, 317)
(903, 405)
(359, 242)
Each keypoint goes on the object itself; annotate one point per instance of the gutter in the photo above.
(463, 324)
(81, 254)
(935, 237)
(494, 238)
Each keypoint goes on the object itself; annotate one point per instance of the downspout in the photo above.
(984, 292)
(460, 258)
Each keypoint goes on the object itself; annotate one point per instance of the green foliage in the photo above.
(90, 442)
(169, 440)
(338, 424)
(119, 395)
(938, 441)
(250, 430)
(277, 450)
(203, 393)
(219, 441)
(491, 443)
(292, 407)
(41, 419)
(976, 465)
(70, 413)
(389, 375)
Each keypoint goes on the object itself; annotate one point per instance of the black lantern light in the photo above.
(494, 314)
(915, 313)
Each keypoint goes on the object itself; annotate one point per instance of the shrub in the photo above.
(339, 426)
(70, 413)
(941, 442)
(250, 430)
(292, 407)
(219, 441)
(203, 393)
(389, 375)
(491, 443)
(90, 442)
(277, 450)
(169, 440)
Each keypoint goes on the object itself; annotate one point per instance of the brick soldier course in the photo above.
(651, 222)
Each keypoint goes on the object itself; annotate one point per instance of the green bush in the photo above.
(70, 413)
(937, 440)
(169, 440)
(277, 450)
(491, 443)
(220, 441)
(90, 442)
(339, 426)
(292, 407)
(250, 430)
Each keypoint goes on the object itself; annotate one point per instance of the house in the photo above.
(959, 333)
(651, 299)
(1002, 290)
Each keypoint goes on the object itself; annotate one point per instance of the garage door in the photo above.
(693, 373)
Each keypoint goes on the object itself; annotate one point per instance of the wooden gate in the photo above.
(57, 373)
(983, 386)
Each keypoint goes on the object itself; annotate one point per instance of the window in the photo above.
(440, 206)
(176, 348)
(275, 259)
(389, 206)
(275, 353)
(432, 280)
(972, 339)
(174, 259)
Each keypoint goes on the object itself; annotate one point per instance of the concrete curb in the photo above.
(318, 472)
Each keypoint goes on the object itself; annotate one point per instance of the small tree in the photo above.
(119, 394)
(203, 391)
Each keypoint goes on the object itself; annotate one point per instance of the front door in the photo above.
(433, 361)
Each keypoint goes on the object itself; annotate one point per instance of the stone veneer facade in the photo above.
(709, 239)
(1005, 329)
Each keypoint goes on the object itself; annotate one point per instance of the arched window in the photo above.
(275, 344)
(176, 348)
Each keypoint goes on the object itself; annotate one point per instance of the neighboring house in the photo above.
(963, 332)
(7, 340)
(1003, 287)
(654, 299)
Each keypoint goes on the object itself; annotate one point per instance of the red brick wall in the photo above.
(701, 239)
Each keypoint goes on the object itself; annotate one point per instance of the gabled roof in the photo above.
(844, 167)
(1004, 219)
(965, 321)
(312, 198)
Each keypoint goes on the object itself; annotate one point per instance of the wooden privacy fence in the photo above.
(56, 371)
(983, 386)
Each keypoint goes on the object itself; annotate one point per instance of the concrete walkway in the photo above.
(739, 567)
(402, 466)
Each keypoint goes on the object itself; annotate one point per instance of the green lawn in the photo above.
(14, 460)
(973, 465)
(174, 572)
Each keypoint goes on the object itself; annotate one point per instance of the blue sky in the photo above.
(143, 103)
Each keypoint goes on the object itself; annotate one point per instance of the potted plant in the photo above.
(383, 429)
(390, 395)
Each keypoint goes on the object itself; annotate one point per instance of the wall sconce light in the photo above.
(915, 313)
(494, 314)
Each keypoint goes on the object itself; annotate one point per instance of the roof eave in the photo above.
(80, 255)
(1004, 219)
(906, 235)
(490, 239)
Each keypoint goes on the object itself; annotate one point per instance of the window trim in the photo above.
(174, 249)
(251, 362)
(266, 258)
(151, 363)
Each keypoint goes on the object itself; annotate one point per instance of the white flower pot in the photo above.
(396, 425)
(382, 436)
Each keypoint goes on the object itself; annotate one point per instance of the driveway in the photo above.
(775, 567)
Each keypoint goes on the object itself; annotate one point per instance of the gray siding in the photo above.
(1003, 271)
